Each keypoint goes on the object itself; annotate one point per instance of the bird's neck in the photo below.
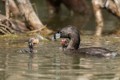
(74, 42)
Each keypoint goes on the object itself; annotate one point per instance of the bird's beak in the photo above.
(56, 36)
(31, 46)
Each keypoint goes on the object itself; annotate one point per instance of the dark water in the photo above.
(50, 63)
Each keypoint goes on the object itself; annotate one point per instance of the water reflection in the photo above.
(50, 63)
(30, 61)
(60, 21)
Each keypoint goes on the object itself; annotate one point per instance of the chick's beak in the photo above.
(32, 42)
(30, 45)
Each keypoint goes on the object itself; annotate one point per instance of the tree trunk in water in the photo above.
(13, 8)
(7, 9)
(117, 2)
(30, 15)
(113, 6)
(98, 16)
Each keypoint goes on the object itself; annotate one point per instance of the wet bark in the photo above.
(14, 11)
(98, 16)
(29, 13)
(11, 8)
(28, 19)
(112, 5)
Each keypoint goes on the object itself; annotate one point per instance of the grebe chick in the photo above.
(32, 42)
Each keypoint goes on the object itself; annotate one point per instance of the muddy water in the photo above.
(50, 63)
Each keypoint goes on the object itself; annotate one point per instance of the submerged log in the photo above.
(7, 8)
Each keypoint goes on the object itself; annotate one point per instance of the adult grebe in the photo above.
(72, 33)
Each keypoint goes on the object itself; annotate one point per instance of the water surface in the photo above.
(50, 62)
